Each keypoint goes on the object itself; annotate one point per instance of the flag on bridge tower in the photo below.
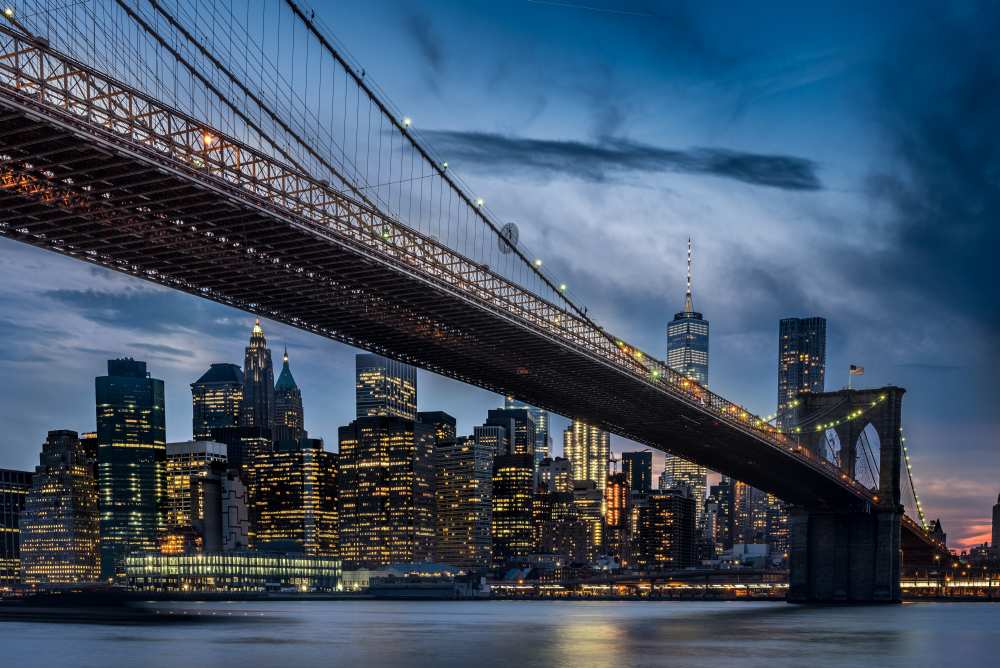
(854, 371)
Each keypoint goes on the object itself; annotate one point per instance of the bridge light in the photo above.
(480, 202)
(207, 139)
(562, 287)
(444, 165)
(538, 262)
(407, 121)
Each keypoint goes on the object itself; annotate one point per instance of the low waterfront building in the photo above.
(245, 571)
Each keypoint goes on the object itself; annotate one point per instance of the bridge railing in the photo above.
(93, 103)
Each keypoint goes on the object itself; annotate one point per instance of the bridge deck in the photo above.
(99, 172)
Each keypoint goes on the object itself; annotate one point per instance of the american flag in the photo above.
(857, 370)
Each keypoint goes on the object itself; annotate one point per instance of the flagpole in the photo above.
(850, 377)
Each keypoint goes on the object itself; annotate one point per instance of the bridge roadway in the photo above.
(100, 172)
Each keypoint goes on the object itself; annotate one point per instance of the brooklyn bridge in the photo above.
(246, 159)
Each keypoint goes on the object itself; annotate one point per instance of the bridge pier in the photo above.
(844, 557)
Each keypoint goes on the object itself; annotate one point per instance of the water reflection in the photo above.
(524, 634)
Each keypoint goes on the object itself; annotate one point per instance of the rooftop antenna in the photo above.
(688, 303)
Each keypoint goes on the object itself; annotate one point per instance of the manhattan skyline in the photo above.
(855, 236)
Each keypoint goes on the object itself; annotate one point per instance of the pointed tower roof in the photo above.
(688, 302)
(285, 381)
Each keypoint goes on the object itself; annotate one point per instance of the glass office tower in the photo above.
(131, 444)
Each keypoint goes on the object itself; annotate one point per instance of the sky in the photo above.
(831, 159)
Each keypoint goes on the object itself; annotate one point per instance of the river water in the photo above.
(525, 634)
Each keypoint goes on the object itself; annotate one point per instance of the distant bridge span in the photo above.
(98, 171)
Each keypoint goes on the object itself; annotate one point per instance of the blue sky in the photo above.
(836, 160)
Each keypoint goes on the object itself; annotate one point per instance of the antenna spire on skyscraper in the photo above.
(688, 302)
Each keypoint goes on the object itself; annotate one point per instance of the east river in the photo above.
(524, 634)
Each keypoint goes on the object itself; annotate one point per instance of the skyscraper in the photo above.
(385, 387)
(512, 529)
(616, 517)
(131, 444)
(512, 433)
(289, 418)
(589, 449)
(666, 531)
(679, 471)
(187, 463)
(543, 442)
(801, 361)
(216, 399)
(59, 523)
(687, 353)
(554, 475)
(463, 491)
(386, 491)
(520, 427)
(750, 514)
(257, 408)
(638, 468)
(294, 499)
(14, 486)
(687, 338)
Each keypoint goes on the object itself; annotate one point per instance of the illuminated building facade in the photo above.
(386, 499)
(777, 527)
(512, 527)
(750, 514)
(520, 427)
(131, 439)
(559, 530)
(188, 464)
(60, 520)
(443, 426)
(289, 417)
(385, 387)
(666, 531)
(232, 572)
(463, 491)
(638, 469)
(14, 486)
(679, 471)
(543, 442)
(216, 399)
(257, 407)
(801, 361)
(589, 450)
(554, 475)
(493, 437)
(588, 502)
(616, 518)
(722, 494)
(243, 444)
(294, 497)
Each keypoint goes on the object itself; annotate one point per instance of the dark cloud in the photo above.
(939, 96)
(608, 158)
(419, 28)
(148, 311)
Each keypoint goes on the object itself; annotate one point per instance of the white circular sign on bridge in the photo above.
(509, 235)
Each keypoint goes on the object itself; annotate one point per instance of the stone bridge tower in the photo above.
(849, 554)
